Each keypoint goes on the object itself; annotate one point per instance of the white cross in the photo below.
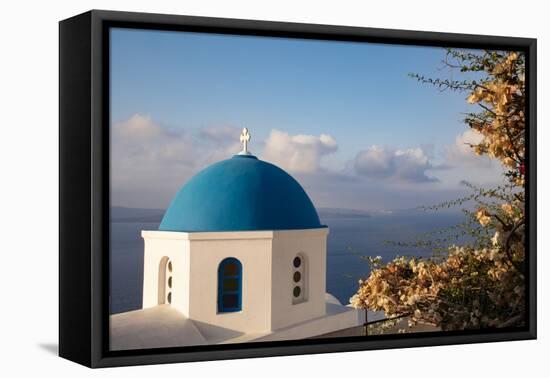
(245, 138)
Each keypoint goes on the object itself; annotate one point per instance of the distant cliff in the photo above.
(342, 213)
(133, 215)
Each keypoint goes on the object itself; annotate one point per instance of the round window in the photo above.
(297, 291)
(297, 262)
(170, 282)
(297, 276)
(169, 298)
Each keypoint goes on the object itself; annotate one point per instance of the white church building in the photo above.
(240, 256)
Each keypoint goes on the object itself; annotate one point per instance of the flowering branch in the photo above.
(482, 284)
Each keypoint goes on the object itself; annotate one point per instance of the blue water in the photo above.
(349, 238)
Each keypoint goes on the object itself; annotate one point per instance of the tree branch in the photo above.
(507, 246)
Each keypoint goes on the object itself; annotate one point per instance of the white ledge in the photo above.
(232, 235)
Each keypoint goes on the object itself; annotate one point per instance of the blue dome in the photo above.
(240, 194)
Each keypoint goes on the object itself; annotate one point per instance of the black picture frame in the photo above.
(84, 187)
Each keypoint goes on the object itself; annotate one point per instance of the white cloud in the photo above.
(409, 165)
(141, 140)
(463, 164)
(298, 153)
(460, 153)
(222, 134)
(218, 143)
(150, 162)
(375, 161)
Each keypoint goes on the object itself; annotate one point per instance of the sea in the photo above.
(351, 238)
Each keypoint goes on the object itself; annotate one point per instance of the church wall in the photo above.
(175, 246)
(286, 246)
(267, 283)
(253, 250)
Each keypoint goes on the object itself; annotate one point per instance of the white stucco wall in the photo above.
(286, 245)
(266, 258)
(253, 250)
(175, 246)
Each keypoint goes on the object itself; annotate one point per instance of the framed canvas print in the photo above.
(234, 188)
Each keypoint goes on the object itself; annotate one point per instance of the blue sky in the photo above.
(358, 94)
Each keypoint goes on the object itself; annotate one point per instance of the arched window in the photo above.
(230, 285)
(165, 281)
(299, 279)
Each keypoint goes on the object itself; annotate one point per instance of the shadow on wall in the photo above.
(215, 334)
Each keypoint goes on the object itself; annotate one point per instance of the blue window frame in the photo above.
(230, 285)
